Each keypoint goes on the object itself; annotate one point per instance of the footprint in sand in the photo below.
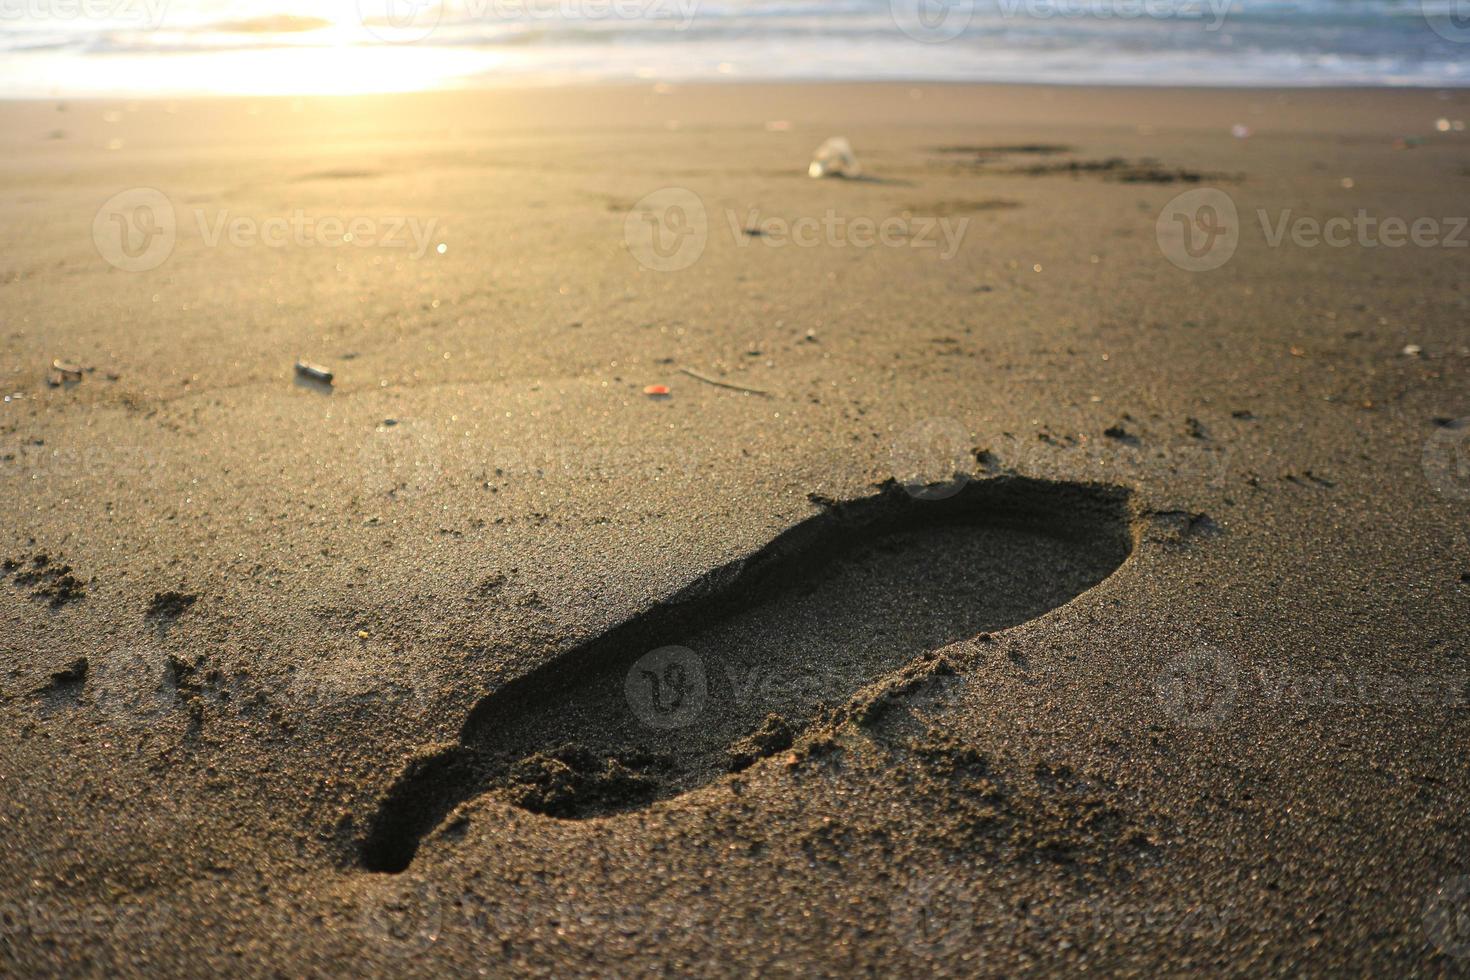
(715, 678)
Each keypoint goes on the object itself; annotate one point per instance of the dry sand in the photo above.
(1241, 751)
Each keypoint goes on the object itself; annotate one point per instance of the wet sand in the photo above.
(239, 606)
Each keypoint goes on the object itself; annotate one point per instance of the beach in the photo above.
(1221, 729)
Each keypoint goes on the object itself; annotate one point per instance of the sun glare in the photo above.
(323, 53)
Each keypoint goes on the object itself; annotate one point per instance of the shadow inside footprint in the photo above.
(735, 666)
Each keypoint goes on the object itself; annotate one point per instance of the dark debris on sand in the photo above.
(74, 673)
(1054, 814)
(47, 581)
(1145, 171)
(572, 781)
(66, 681)
(775, 734)
(169, 606)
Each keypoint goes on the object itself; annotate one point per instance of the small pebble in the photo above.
(314, 372)
(63, 373)
(1412, 350)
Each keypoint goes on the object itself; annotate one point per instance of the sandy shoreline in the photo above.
(285, 596)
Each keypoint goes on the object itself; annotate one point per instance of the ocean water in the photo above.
(179, 47)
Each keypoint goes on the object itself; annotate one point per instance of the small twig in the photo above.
(721, 384)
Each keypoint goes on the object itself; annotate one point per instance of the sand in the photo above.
(239, 605)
